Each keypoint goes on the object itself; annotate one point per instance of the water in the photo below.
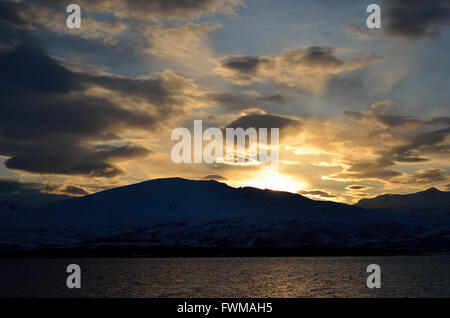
(401, 276)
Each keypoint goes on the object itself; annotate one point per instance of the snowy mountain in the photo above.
(185, 213)
(431, 201)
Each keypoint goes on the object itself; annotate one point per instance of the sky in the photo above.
(361, 111)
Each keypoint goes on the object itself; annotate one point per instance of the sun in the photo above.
(275, 181)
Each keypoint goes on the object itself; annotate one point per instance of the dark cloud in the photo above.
(49, 125)
(368, 169)
(417, 137)
(162, 90)
(238, 101)
(233, 101)
(286, 126)
(430, 175)
(244, 64)
(244, 69)
(276, 98)
(74, 159)
(50, 187)
(214, 177)
(426, 142)
(9, 13)
(424, 177)
(393, 121)
(314, 56)
(447, 187)
(318, 193)
(70, 190)
(414, 19)
(74, 190)
(44, 129)
(408, 140)
(309, 68)
(264, 121)
(27, 68)
(356, 187)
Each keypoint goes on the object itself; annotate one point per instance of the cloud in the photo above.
(48, 76)
(113, 22)
(74, 160)
(64, 118)
(164, 94)
(154, 31)
(258, 120)
(413, 136)
(33, 15)
(424, 177)
(70, 190)
(74, 190)
(357, 187)
(147, 9)
(415, 19)
(10, 185)
(243, 70)
(366, 170)
(55, 20)
(185, 45)
(427, 142)
(361, 194)
(9, 14)
(234, 100)
(318, 193)
(214, 177)
(309, 68)
(377, 144)
(52, 123)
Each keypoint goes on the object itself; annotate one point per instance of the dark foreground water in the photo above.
(401, 276)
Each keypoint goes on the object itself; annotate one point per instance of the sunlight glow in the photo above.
(275, 181)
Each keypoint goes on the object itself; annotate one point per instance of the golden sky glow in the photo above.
(360, 112)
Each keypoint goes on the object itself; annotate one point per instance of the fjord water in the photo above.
(401, 276)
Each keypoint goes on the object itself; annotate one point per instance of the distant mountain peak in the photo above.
(431, 199)
(432, 190)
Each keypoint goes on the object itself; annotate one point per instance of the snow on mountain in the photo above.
(180, 212)
(431, 201)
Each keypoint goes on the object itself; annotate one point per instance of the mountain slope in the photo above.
(179, 212)
(431, 200)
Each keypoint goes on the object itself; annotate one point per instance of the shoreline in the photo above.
(184, 252)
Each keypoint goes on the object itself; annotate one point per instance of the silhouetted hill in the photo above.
(208, 214)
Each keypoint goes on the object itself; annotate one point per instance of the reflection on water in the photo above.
(401, 276)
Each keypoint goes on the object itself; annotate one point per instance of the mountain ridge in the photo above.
(176, 212)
